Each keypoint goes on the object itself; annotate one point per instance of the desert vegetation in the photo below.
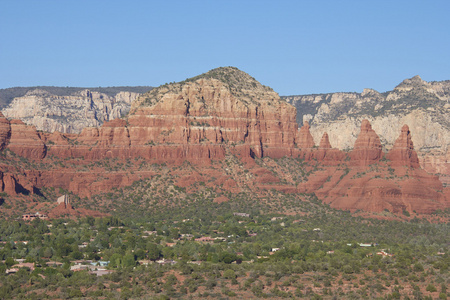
(237, 248)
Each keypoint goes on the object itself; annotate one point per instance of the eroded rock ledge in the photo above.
(205, 119)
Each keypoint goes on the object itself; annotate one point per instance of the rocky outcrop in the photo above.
(194, 120)
(111, 134)
(424, 106)
(8, 184)
(325, 142)
(68, 113)
(377, 195)
(377, 189)
(304, 138)
(305, 142)
(25, 141)
(367, 149)
(224, 106)
(221, 116)
(403, 154)
(5, 131)
(326, 154)
(434, 161)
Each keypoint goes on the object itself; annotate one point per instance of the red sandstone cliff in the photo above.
(25, 141)
(367, 147)
(223, 112)
(326, 154)
(377, 189)
(5, 131)
(325, 142)
(211, 111)
(194, 120)
(304, 138)
(8, 184)
(66, 210)
(305, 142)
(403, 154)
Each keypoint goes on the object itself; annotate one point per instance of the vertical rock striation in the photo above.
(5, 131)
(367, 149)
(326, 154)
(223, 113)
(25, 141)
(304, 138)
(403, 154)
(69, 113)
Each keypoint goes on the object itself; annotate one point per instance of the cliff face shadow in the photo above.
(21, 190)
(37, 191)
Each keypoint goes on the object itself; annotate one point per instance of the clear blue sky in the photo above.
(296, 47)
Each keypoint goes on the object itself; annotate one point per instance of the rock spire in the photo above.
(367, 149)
(304, 138)
(403, 154)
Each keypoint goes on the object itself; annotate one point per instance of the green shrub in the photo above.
(431, 288)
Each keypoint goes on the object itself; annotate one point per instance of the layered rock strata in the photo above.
(5, 131)
(224, 112)
(377, 191)
(25, 141)
(403, 154)
(367, 147)
(326, 154)
(69, 113)
(230, 107)
(194, 120)
(304, 138)
(423, 105)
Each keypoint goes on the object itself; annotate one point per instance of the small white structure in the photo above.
(63, 199)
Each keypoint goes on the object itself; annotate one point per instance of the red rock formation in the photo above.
(325, 142)
(55, 138)
(8, 184)
(371, 192)
(25, 141)
(223, 105)
(305, 142)
(367, 149)
(207, 120)
(262, 175)
(206, 112)
(326, 154)
(403, 154)
(5, 131)
(437, 163)
(376, 191)
(111, 134)
(304, 138)
(194, 121)
(377, 188)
